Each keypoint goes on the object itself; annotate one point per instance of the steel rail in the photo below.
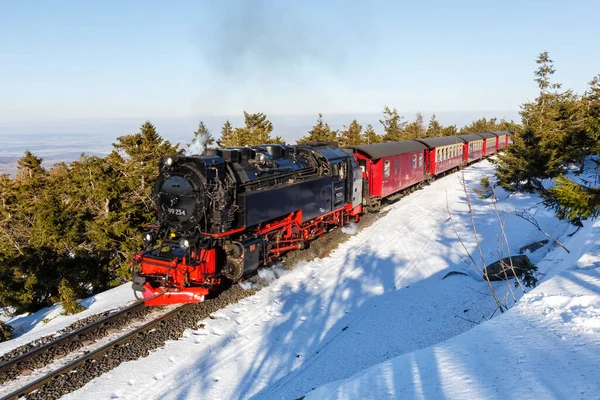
(17, 362)
(38, 383)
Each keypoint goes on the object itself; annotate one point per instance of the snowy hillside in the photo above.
(375, 319)
(378, 296)
(547, 346)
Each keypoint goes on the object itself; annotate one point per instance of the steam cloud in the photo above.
(195, 148)
(266, 45)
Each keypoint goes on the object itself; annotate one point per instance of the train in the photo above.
(229, 211)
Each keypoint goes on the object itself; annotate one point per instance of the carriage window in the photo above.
(438, 154)
(414, 161)
(386, 169)
(397, 166)
(420, 160)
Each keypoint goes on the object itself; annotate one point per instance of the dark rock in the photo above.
(502, 269)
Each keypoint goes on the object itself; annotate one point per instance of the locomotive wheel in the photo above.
(234, 270)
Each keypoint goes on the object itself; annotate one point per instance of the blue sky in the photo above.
(155, 59)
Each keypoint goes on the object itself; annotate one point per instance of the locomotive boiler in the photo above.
(225, 213)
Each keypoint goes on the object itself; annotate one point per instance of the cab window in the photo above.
(338, 169)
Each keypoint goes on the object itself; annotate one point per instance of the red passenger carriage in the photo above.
(489, 143)
(390, 167)
(502, 139)
(473, 148)
(443, 154)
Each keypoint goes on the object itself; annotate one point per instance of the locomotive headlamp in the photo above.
(169, 161)
(148, 238)
(184, 243)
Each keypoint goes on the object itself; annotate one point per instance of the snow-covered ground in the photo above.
(51, 319)
(547, 346)
(375, 319)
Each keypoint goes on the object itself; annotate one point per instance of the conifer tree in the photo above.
(522, 164)
(202, 140)
(29, 167)
(393, 125)
(227, 135)
(257, 130)
(68, 298)
(435, 128)
(573, 201)
(370, 136)
(277, 140)
(538, 152)
(351, 136)
(6, 332)
(416, 129)
(449, 130)
(320, 132)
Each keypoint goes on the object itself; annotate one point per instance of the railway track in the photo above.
(45, 354)
(67, 376)
(60, 381)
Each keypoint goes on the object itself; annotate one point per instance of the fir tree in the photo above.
(415, 129)
(393, 126)
(277, 140)
(435, 128)
(29, 167)
(370, 136)
(68, 298)
(539, 152)
(522, 164)
(6, 332)
(320, 132)
(351, 136)
(257, 130)
(202, 140)
(227, 136)
(573, 202)
(591, 102)
(449, 130)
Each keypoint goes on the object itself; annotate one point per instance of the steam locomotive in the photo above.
(224, 214)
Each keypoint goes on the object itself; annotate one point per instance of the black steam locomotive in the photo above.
(223, 214)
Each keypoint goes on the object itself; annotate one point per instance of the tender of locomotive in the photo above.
(223, 214)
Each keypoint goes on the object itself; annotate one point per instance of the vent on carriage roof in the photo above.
(387, 149)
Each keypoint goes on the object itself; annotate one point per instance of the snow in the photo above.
(547, 346)
(47, 321)
(379, 317)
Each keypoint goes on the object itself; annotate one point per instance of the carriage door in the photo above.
(339, 171)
